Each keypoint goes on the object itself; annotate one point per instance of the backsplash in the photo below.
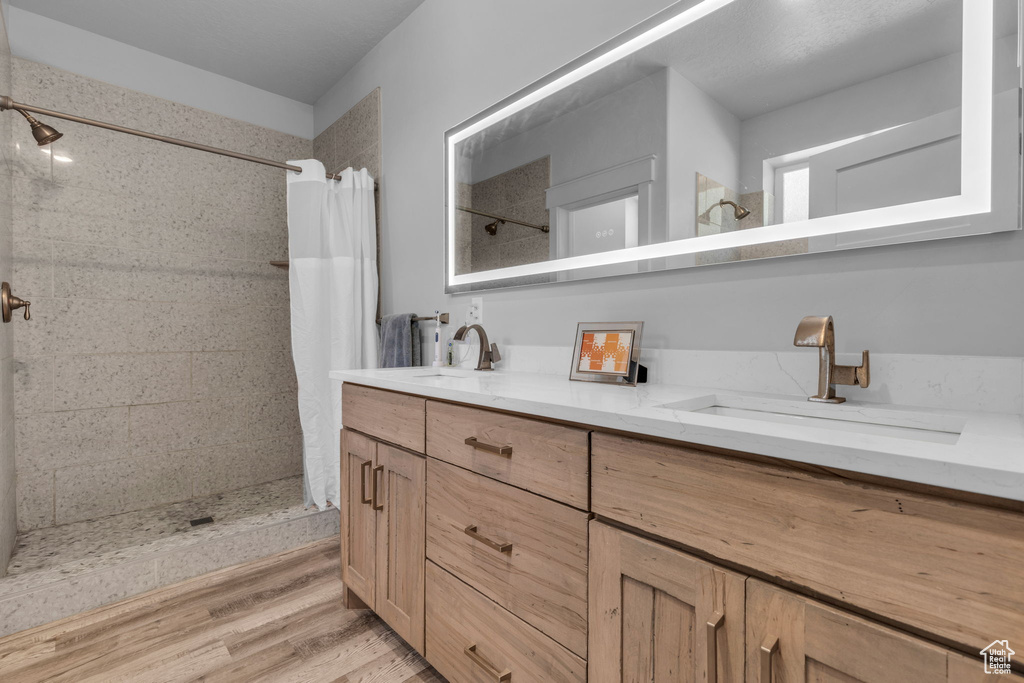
(969, 383)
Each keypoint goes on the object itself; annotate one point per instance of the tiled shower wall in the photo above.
(353, 140)
(518, 193)
(8, 524)
(157, 363)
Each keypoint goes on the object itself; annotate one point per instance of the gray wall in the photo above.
(8, 506)
(41, 39)
(157, 366)
(438, 68)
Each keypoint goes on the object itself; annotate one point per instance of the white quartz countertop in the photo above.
(975, 452)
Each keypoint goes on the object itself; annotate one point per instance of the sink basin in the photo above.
(442, 373)
(896, 423)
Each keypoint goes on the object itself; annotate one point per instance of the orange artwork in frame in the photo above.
(607, 352)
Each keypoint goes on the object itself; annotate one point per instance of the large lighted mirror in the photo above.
(730, 130)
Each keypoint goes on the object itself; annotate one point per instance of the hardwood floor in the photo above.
(278, 619)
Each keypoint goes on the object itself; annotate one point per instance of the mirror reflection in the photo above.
(759, 115)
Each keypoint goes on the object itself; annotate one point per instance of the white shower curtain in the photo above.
(332, 256)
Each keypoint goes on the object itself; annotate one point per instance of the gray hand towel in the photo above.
(399, 341)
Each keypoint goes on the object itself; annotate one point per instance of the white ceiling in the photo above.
(296, 48)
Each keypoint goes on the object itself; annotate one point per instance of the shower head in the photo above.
(739, 212)
(43, 133)
(492, 228)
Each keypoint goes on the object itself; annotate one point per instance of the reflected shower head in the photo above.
(43, 133)
(492, 228)
(739, 212)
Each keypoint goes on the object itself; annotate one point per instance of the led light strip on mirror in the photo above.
(975, 173)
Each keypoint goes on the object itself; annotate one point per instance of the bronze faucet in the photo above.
(488, 354)
(819, 331)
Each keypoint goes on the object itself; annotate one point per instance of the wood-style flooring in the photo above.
(278, 619)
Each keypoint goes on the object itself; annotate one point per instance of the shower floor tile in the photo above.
(46, 555)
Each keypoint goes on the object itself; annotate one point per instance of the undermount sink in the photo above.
(442, 373)
(916, 425)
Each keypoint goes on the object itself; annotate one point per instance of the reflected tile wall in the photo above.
(713, 219)
(157, 366)
(8, 506)
(518, 193)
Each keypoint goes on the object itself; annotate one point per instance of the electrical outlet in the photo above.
(475, 312)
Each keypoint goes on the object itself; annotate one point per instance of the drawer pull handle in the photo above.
(490, 448)
(362, 481)
(498, 676)
(373, 488)
(716, 621)
(500, 547)
(768, 650)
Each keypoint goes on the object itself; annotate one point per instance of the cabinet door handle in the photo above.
(768, 650)
(494, 545)
(489, 447)
(498, 676)
(373, 488)
(362, 480)
(713, 624)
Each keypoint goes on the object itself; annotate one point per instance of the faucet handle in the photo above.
(495, 356)
(862, 373)
(813, 330)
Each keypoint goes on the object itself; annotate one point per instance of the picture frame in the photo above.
(608, 353)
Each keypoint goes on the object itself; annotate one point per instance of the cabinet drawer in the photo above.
(391, 417)
(470, 638)
(940, 567)
(541, 576)
(548, 459)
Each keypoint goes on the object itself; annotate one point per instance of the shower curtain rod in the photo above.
(504, 219)
(8, 103)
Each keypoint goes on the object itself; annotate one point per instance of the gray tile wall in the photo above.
(8, 507)
(157, 365)
(518, 193)
(354, 139)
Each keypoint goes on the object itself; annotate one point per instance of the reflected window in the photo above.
(793, 193)
(605, 226)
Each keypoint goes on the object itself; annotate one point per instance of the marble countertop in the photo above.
(975, 452)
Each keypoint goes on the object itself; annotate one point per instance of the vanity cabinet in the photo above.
(657, 614)
(383, 535)
(520, 549)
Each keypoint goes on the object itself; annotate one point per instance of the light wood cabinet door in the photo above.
(792, 639)
(657, 614)
(401, 542)
(358, 518)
